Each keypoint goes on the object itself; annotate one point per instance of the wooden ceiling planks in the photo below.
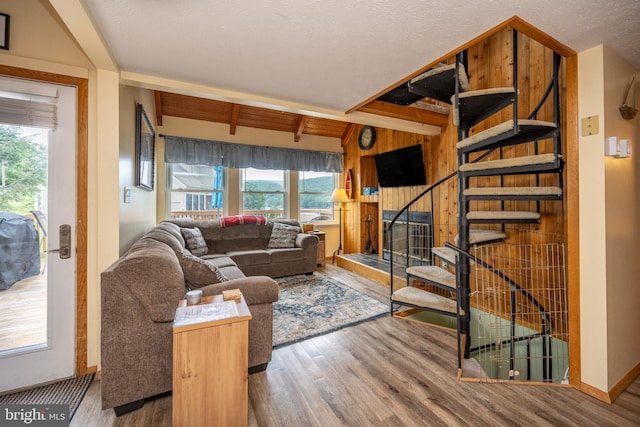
(171, 104)
(190, 107)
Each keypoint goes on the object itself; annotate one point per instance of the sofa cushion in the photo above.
(194, 241)
(255, 257)
(230, 273)
(220, 260)
(283, 236)
(285, 255)
(197, 271)
(243, 237)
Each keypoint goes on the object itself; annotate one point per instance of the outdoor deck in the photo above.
(24, 313)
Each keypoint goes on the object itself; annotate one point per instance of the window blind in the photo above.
(27, 103)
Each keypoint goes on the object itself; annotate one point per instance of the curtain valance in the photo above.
(215, 153)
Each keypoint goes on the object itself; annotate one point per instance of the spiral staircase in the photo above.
(445, 289)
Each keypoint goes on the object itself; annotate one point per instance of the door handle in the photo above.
(65, 242)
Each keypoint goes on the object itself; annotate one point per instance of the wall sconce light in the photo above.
(617, 148)
(624, 148)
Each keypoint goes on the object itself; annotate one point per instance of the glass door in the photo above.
(37, 232)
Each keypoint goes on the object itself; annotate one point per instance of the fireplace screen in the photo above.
(412, 238)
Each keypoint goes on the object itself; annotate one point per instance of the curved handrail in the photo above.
(415, 199)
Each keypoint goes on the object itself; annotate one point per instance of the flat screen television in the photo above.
(400, 168)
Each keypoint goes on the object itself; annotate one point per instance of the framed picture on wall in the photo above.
(145, 150)
(4, 31)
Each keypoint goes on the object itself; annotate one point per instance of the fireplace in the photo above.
(412, 237)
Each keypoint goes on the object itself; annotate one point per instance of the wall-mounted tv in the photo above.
(402, 167)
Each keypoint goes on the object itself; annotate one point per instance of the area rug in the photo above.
(68, 392)
(309, 306)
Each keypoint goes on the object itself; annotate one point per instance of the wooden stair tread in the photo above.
(427, 300)
(503, 216)
(497, 167)
(480, 236)
(513, 191)
(435, 275)
(431, 107)
(486, 92)
(447, 255)
(505, 134)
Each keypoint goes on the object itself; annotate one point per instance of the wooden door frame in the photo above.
(81, 195)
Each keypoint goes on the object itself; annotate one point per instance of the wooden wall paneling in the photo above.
(349, 242)
(526, 102)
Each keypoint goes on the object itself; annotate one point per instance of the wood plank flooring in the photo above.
(388, 371)
(23, 309)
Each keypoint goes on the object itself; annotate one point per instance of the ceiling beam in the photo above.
(348, 131)
(301, 123)
(235, 112)
(157, 96)
(412, 114)
(80, 24)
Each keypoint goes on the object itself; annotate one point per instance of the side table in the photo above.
(321, 247)
(210, 370)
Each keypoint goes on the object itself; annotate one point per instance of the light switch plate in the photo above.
(590, 125)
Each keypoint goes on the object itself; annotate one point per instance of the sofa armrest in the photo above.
(255, 289)
(305, 240)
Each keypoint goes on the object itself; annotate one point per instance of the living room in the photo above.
(116, 110)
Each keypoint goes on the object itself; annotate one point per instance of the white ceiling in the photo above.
(333, 54)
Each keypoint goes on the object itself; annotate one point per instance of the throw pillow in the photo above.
(194, 241)
(283, 236)
(198, 272)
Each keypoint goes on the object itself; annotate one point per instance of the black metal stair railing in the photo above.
(429, 189)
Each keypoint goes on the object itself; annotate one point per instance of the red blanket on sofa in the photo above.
(228, 221)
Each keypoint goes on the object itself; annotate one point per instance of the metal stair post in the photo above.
(463, 268)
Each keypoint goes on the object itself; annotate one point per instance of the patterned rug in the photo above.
(309, 306)
(68, 392)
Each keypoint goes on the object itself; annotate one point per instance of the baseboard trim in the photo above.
(595, 392)
(616, 390)
(624, 382)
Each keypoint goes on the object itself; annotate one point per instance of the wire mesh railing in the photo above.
(520, 335)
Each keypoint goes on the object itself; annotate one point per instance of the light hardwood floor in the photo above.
(386, 372)
(24, 313)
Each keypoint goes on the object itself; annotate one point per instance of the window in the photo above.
(263, 192)
(197, 191)
(314, 190)
(210, 192)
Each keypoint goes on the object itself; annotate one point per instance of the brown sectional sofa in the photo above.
(140, 292)
(247, 245)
